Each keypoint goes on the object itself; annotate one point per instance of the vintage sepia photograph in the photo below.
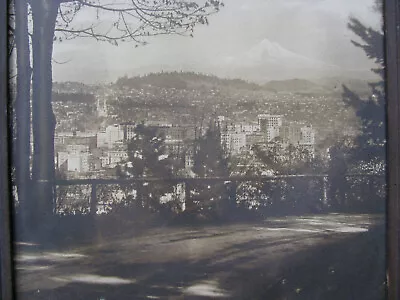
(198, 149)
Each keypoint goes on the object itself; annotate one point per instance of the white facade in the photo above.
(233, 143)
(113, 158)
(74, 162)
(112, 134)
(102, 139)
(272, 133)
(307, 135)
(238, 142)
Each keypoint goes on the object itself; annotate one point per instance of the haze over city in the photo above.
(259, 41)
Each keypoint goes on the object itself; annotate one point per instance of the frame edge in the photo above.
(392, 33)
(6, 283)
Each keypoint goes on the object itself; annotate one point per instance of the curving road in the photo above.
(182, 263)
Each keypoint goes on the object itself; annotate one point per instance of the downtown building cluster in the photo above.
(82, 154)
(237, 137)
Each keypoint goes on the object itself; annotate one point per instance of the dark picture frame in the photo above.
(392, 21)
(392, 42)
(6, 283)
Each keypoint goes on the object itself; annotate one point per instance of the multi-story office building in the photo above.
(73, 162)
(307, 140)
(128, 129)
(271, 133)
(112, 158)
(290, 134)
(307, 135)
(232, 142)
(112, 134)
(266, 121)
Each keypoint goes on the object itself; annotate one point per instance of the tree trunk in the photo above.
(44, 13)
(22, 107)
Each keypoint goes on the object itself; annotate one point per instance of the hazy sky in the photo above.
(257, 40)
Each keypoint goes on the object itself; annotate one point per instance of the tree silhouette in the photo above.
(370, 143)
(368, 155)
(20, 41)
(210, 161)
(147, 158)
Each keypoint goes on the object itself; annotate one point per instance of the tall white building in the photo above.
(74, 161)
(78, 162)
(108, 138)
(233, 142)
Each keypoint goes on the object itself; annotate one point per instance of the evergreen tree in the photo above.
(210, 161)
(368, 154)
(147, 158)
(370, 144)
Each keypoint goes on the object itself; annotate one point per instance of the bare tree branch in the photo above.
(135, 19)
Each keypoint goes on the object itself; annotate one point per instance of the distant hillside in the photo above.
(293, 85)
(70, 85)
(359, 86)
(74, 98)
(192, 80)
(184, 80)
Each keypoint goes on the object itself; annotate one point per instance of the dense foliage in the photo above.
(370, 144)
(147, 158)
(210, 161)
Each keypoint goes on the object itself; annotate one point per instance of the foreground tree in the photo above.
(21, 45)
(370, 143)
(210, 161)
(368, 155)
(53, 20)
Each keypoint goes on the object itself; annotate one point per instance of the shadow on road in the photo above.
(354, 268)
(346, 268)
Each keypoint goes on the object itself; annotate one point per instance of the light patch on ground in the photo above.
(49, 256)
(26, 244)
(320, 224)
(206, 289)
(32, 268)
(349, 229)
(94, 279)
(294, 229)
